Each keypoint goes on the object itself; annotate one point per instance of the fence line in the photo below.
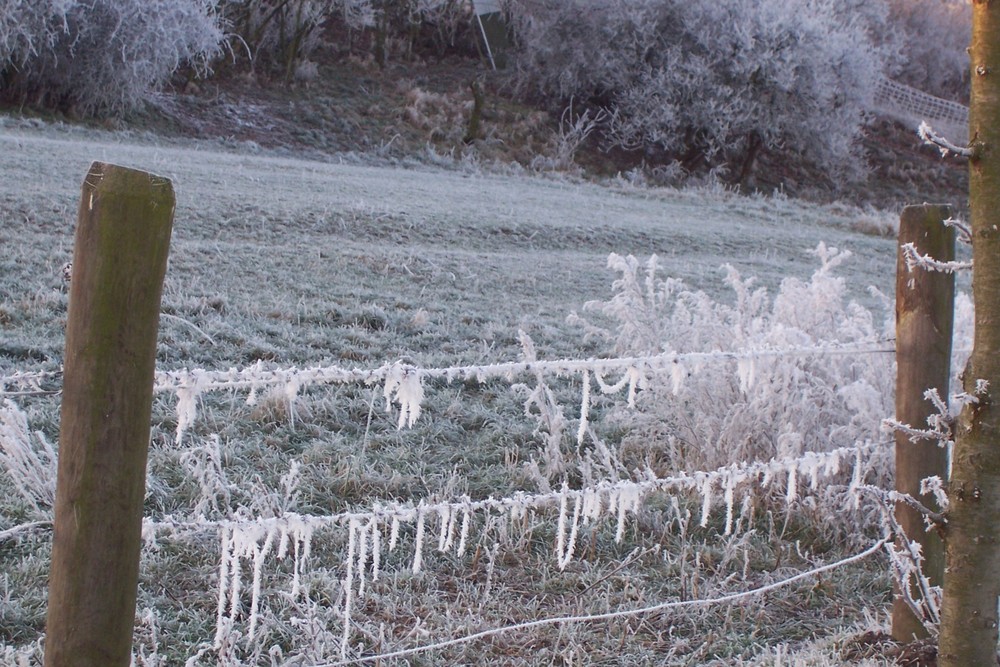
(254, 541)
(403, 383)
(250, 543)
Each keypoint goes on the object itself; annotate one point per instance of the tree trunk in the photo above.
(972, 578)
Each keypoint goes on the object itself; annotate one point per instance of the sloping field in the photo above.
(303, 263)
(283, 239)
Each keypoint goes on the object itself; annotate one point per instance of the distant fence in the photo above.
(911, 106)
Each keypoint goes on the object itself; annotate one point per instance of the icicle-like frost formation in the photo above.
(584, 408)
(706, 504)
(677, 373)
(376, 548)
(352, 544)
(393, 534)
(187, 411)
(418, 542)
(403, 385)
(627, 499)
(611, 388)
(729, 494)
(225, 563)
(259, 554)
(791, 493)
(561, 524)
(464, 532)
(566, 557)
(363, 542)
(592, 505)
(291, 395)
(445, 517)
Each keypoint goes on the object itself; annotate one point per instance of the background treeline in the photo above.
(695, 85)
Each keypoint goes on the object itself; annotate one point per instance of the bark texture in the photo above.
(972, 578)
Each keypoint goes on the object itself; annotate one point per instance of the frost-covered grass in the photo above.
(297, 263)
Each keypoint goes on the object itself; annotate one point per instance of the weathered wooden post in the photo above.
(925, 307)
(119, 261)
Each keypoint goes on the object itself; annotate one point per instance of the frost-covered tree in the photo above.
(934, 35)
(100, 56)
(710, 83)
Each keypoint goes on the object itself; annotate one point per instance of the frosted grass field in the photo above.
(305, 263)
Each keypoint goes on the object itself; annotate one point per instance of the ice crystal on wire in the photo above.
(403, 386)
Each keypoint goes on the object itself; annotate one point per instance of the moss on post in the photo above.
(119, 261)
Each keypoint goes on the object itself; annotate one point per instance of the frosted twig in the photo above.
(895, 496)
(930, 137)
(916, 260)
(626, 613)
(175, 318)
(962, 228)
(10, 533)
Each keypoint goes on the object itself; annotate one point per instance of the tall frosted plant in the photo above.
(779, 405)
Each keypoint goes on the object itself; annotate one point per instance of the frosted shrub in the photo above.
(102, 56)
(27, 28)
(777, 405)
(710, 83)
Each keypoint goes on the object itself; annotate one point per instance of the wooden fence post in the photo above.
(119, 261)
(925, 305)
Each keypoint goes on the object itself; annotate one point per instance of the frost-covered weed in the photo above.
(27, 457)
(700, 418)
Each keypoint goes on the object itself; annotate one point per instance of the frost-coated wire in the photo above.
(257, 377)
(403, 383)
(625, 613)
(253, 540)
(604, 498)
